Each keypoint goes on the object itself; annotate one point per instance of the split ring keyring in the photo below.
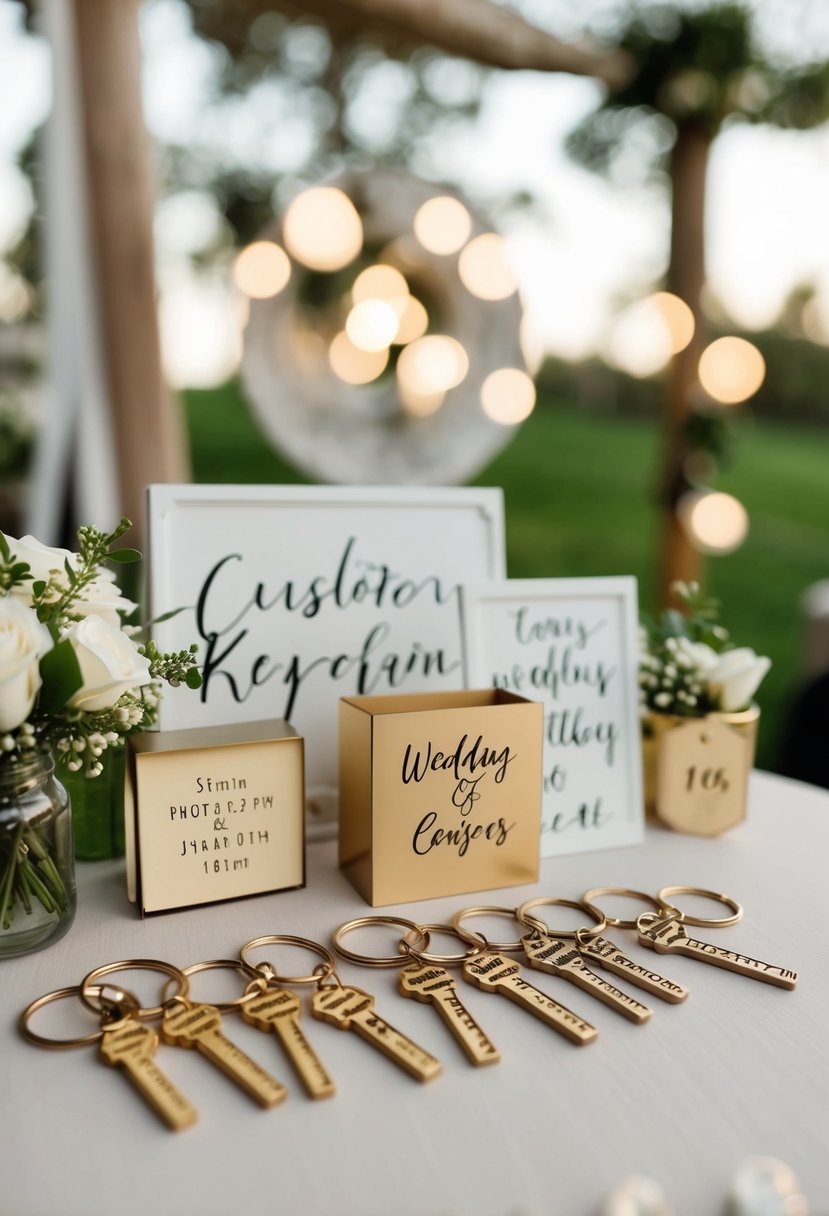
(318, 975)
(230, 964)
(135, 964)
(382, 960)
(616, 922)
(567, 935)
(473, 938)
(443, 960)
(127, 1000)
(714, 922)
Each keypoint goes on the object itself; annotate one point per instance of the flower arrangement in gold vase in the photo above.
(699, 719)
(73, 684)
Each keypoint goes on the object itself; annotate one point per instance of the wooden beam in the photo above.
(149, 435)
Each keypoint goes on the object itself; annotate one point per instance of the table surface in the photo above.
(740, 1069)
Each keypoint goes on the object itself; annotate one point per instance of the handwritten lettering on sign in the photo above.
(301, 595)
(571, 644)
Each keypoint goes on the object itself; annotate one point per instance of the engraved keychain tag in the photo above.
(702, 777)
(562, 958)
(277, 1010)
(667, 936)
(131, 1045)
(495, 973)
(192, 1025)
(604, 953)
(434, 986)
(350, 1008)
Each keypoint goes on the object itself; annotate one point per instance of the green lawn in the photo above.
(579, 491)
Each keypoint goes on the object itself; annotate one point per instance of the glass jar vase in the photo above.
(37, 866)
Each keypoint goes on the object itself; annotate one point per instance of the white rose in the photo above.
(109, 662)
(736, 677)
(102, 596)
(42, 560)
(23, 642)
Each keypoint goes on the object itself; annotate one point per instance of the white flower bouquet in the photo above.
(688, 664)
(72, 680)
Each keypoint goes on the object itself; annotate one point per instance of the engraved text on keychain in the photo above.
(666, 935)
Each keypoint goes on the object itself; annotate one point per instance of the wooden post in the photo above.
(686, 278)
(149, 435)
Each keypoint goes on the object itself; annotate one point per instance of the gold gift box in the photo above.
(440, 793)
(214, 813)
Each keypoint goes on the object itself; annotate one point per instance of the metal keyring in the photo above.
(714, 922)
(126, 1001)
(615, 922)
(283, 939)
(566, 935)
(486, 910)
(135, 964)
(230, 964)
(442, 960)
(381, 960)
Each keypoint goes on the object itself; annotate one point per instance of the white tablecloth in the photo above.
(740, 1069)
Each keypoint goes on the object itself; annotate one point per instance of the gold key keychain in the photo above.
(270, 1006)
(424, 978)
(665, 932)
(493, 971)
(123, 1042)
(350, 1008)
(604, 953)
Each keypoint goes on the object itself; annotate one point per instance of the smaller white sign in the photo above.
(571, 644)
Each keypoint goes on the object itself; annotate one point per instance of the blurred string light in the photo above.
(432, 365)
(508, 396)
(262, 270)
(372, 325)
(382, 282)
(322, 229)
(413, 323)
(485, 269)
(649, 332)
(323, 232)
(353, 365)
(442, 225)
(715, 523)
(731, 370)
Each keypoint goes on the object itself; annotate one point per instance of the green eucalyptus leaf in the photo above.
(5, 551)
(123, 556)
(39, 587)
(61, 675)
(193, 678)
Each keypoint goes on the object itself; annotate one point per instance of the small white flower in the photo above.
(736, 678)
(662, 699)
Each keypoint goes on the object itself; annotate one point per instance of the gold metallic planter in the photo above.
(674, 793)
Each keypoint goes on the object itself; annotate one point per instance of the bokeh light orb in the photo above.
(508, 396)
(731, 370)
(485, 270)
(322, 229)
(382, 282)
(715, 523)
(432, 365)
(413, 323)
(442, 225)
(353, 365)
(372, 325)
(261, 270)
(677, 317)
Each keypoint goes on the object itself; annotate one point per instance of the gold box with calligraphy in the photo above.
(440, 793)
(214, 813)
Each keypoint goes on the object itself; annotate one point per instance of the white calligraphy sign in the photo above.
(572, 644)
(299, 595)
